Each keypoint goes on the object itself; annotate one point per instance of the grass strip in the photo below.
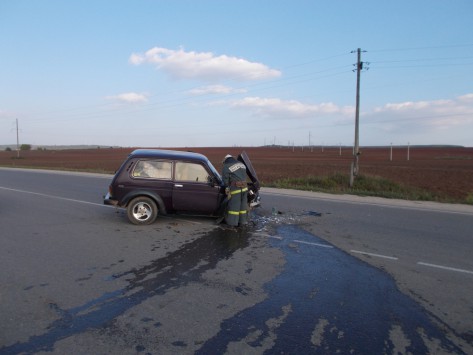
(363, 186)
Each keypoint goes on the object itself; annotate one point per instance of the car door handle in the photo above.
(178, 185)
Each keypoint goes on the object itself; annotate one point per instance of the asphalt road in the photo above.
(316, 274)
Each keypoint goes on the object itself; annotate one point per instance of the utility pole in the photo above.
(309, 143)
(356, 149)
(17, 140)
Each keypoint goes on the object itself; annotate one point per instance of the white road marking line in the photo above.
(314, 244)
(274, 237)
(376, 255)
(445, 267)
(55, 197)
(261, 234)
(366, 253)
(267, 235)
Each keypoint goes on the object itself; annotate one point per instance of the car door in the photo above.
(193, 192)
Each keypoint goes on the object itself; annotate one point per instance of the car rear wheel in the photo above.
(142, 210)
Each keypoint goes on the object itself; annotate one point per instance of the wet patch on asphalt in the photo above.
(175, 270)
(323, 301)
(326, 301)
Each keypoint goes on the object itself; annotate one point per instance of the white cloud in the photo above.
(129, 97)
(466, 98)
(215, 89)
(419, 106)
(423, 115)
(289, 108)
(6, 114)
(203, 65)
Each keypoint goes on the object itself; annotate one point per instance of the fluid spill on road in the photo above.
(177, 269)
(326, 301)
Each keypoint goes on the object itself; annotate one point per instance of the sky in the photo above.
(201, 73)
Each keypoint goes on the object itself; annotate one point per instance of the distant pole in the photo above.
(310, 144)
(340, 149)
(391, 154)
(408, 150)
(17, 140)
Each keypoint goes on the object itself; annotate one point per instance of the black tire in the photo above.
(142, 211)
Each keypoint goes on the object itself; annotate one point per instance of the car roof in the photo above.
(168, 154)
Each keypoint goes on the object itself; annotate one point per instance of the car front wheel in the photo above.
(142, 210)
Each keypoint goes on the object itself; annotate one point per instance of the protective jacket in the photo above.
(234, 178)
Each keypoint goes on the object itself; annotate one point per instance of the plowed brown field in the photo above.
(444, 171)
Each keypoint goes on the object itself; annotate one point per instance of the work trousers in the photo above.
(237, 208)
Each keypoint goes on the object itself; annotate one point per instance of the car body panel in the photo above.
(198, 198)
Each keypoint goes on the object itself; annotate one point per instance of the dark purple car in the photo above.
(152, 181)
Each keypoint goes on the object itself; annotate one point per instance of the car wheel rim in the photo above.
(142, 211)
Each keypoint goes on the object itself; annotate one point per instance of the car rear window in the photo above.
(191, 172)
(153, 169)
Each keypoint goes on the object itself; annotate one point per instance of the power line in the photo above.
(250, 88)
(465, 45)
(178, 102)
(421, 59)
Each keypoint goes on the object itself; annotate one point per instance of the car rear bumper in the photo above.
(109, 201)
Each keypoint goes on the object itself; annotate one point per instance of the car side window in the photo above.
(153, 169)
(191, 172)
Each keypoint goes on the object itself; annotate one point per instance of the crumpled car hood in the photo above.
(243, 157)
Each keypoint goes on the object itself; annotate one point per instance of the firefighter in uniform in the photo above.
(234, 178)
